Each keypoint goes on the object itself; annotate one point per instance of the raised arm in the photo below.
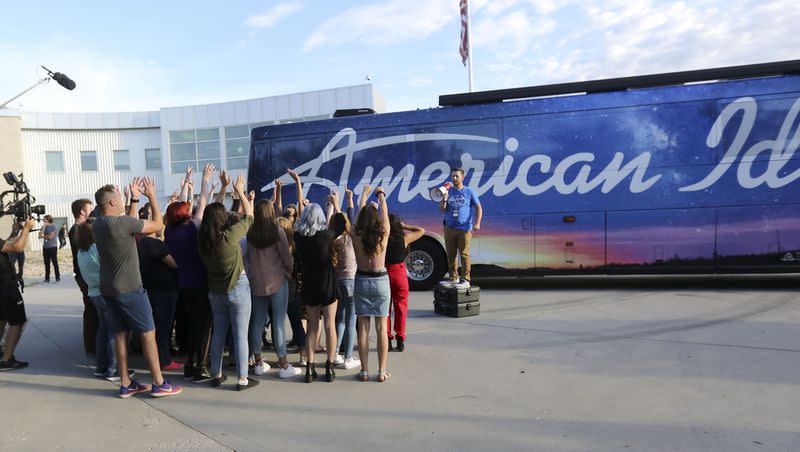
(277, 195)
(412, 233)
(247, 205)
(187, 179)
(135, 190)
(205, 192)
(236, 205)
(383, 210)
(157, 223)
(348, 195)
(224, 181)
(17, 243)
(362, 200)
(329, 210)
(299, 189)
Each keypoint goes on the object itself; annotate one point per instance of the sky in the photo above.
(145, 55)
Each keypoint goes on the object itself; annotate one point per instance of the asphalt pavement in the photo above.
(551, 364)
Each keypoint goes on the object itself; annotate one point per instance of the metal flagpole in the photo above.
(469, 46)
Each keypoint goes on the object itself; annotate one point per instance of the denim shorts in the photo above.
(371, 295)
(130, 312)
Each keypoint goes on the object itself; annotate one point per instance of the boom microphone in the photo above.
(64, 81)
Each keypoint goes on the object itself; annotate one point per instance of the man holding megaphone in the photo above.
(458, 201)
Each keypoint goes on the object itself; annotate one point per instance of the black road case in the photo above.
(454, 302)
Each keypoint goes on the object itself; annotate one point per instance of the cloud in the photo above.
(528, 42)
(651, 37)
(515, 32)
(276, 13)
(384, 23)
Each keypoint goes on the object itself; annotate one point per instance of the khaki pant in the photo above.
(456, 240)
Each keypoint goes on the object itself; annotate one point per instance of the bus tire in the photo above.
(426, 264)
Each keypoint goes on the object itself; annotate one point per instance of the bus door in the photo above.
(570, 242)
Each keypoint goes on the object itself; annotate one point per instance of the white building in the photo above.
(66, 156)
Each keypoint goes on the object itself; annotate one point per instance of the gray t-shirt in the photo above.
(119, 258)
(50, 229)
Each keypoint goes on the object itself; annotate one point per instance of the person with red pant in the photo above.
(400, 237)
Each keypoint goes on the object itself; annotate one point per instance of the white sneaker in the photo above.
(261, 368)
(289, 372)
(352, 362)
(303, 361)
(463, 284)
(446, 283)
(339, 360)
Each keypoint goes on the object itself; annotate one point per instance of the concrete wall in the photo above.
(11, 152)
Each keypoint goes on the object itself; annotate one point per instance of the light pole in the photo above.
(62, 80)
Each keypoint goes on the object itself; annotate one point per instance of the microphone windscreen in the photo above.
(64, 81)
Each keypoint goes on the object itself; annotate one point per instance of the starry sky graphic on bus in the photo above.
(691, 173)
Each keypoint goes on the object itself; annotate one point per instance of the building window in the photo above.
(54, 161)
(193, 148)
(58, 221)
(237, 146)
(122, 160)
(152, 159)
(88, 160)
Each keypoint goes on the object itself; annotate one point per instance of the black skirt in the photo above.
(320, 288)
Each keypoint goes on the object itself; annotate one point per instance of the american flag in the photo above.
(464, 50)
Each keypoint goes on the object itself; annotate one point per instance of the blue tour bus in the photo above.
(648, 174)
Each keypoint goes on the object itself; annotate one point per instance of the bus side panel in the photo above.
(570, 243)
(759, 238)
(506, 245)
(673, 240)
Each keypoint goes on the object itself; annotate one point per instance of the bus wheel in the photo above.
(425, 264)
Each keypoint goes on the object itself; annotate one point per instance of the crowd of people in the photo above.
(218, 276)
(228, 274)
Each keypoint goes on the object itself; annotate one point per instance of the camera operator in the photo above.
(12, 308)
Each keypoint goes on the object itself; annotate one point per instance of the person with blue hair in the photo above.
(320, 289)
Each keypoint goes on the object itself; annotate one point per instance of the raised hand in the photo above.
(239, 184)
(135, 187)
(224, 179)
(149, 188)
(251, 196)
(208, 171)
(348, 193)
(293, 174)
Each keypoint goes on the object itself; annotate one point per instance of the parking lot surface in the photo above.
(551, 364)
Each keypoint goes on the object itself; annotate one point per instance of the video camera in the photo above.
(22, 203)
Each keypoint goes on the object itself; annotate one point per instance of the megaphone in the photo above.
(437, 193)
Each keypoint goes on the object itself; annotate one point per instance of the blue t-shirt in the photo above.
(460, 204)
(89, 264)
(50, 243)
